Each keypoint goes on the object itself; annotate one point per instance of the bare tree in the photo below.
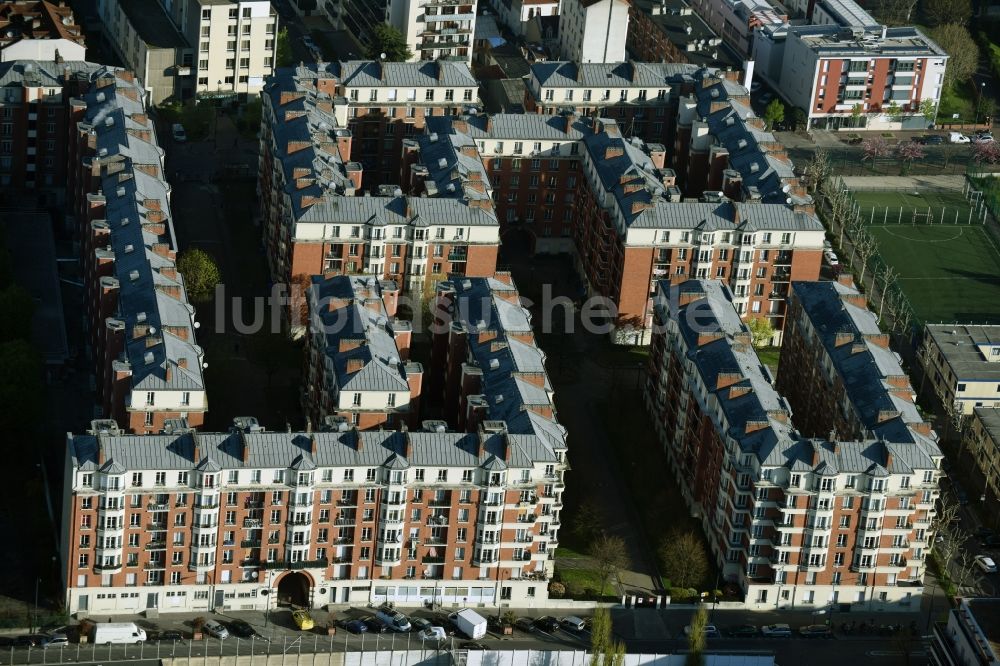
(963, 569)
(949, 537)
(817, 170)
(696, 638)
(888, 277)
(895, 12)
(611, 556)
(840, 213)
(865, 246)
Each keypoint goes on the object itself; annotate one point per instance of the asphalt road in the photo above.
(872, 651)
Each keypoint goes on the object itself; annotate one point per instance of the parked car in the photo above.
(831, 258)
(991, 542)
(375, 625)
(244, 629)
(419, 623)
(177, 130)
(932, 139)
(525, 624)
(776, 631)
(472, 645)
(55, 640)
(986, 563)
(816, 631)
(30, 640)
(573, 622)
(303, 620)
(958, 137)
(355, 626)
(711, 631)
(982, 137)
(166, 635)
(744, 631)
(434, 634)
(215, 629)
(547, 623)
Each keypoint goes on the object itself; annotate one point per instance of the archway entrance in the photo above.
(293, 590)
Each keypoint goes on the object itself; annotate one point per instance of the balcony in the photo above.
(159, 544)
(250, 562)
(347, 502)
(344, 522)
(207, 505)
(108, 568)
(458, 256)
(250, 543)
(158, 506)
(156, 527)
(527, 518)
(253, 505)
(395, 501)
(301, 564)
(440, 502)
(432, 559)
(253, 523)
(154, 566)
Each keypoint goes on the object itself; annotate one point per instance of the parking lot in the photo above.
(646, 630)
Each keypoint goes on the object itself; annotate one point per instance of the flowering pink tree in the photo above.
(907, 151)
(986, 153)
(874, 148)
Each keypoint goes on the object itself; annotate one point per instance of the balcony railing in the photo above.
(250, 543)
(158, 506)
(301, 564)
(156, 545)
(432, 559)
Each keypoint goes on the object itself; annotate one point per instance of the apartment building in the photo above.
(635, 230)
(736, 21)
(486, 363)
(593, 30)
(190, 522)
(796, 522)
(150, 44)
(837, 368)
(33, 124)
(236, 44)
(670, 31)
(312, 223)
(982, 441)
(640, 96)
(389, 102)
(433, 29)
(970, 636)
(527, 165)
(962, 365)
(517, 14)
(39, 30)
(848, 71)
(140, 326)
(358, 371)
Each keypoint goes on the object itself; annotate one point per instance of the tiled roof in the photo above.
(265, 450)
(160, 350)
(415, 211)
(37, 20)
(568, 74)
(452, 163)
(865, 369)
(425, 74)
(353, 310)
(513, 126)
(726, 348)
(490, 304)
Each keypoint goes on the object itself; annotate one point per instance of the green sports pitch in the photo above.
(918, 206)
(949, 272)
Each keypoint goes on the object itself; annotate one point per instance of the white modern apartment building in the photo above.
(433, 29)
(593, 30)
(847, 71)
(515, 14)
(236, 45)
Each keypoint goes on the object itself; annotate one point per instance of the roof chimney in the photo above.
(312, 445)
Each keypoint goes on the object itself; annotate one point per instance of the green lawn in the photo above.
(898, 207)
(769, 357)
(948, 272)
(960, 99)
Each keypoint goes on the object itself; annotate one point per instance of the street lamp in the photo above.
(979, 101)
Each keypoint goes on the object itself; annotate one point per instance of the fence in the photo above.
(989, 185)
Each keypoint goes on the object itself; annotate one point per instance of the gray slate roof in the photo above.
(270, 450)
(569, 74)
(358, 313)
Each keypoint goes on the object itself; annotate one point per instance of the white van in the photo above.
(107, 633)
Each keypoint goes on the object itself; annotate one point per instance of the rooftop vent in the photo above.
(129, 248)
(102, 152)
(133, 275)
(100, 97)
(442, 163)
(433, 137)
(141, 317)
(109, 121)
(742, 143)
(148, 358)
(494, 363)
(754, 167)
(120, 191)
(499, 398)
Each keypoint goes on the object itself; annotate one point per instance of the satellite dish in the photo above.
(253, 575)
(383, 55)
(197, 324)
(204, 366)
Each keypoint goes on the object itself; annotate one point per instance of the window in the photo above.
(442, 476)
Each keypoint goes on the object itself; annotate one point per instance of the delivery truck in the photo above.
(470, 623)
(106, 633)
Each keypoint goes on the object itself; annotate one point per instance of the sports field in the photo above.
(948, 272)
(923, 206)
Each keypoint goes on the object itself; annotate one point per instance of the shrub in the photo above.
(557, 590)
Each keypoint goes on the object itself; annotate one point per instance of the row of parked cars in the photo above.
(767, 631)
